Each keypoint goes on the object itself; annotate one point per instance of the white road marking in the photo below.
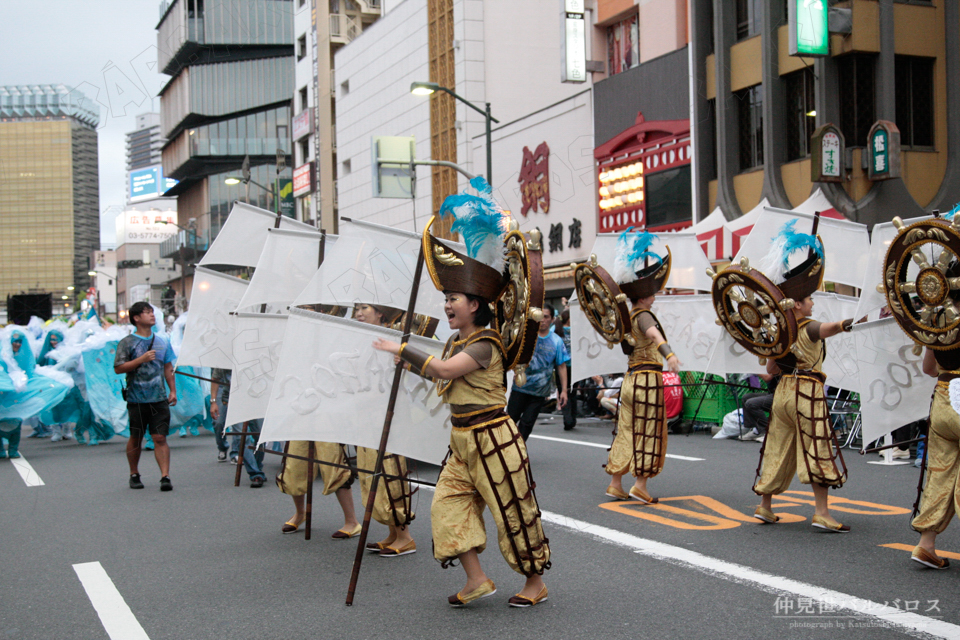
(117, 619)
(912, 622)
(921, 626)
(26, 472)
(603, 446)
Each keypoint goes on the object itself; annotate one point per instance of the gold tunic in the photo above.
(640, 445)
(487, 466)
(941, 491)
(799, 437)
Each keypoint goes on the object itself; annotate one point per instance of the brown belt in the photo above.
(947, 376)
(478, 419)
(645, 367)
(816, 375)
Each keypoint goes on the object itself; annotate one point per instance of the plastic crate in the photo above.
(717, 399)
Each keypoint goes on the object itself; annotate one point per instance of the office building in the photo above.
(49, 189)
(232, 71)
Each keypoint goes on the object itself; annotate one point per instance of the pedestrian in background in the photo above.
(527, 400)
(147, 360)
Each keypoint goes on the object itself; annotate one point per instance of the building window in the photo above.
(302, 47)
(857, 90)
(711, 127)
(748, 18)
(623, 45)
(750, 112)
(303, 99)
(914, 83)
(801, 113)
(304, 150)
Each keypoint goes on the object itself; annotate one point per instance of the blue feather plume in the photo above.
(785, 244)
(633, 248)
(949, 214)
(480, 221)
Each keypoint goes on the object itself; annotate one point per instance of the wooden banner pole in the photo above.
(385, 434)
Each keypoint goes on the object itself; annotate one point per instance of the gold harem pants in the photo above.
(640, 444)
(392, 505)
(799, 439)
(941, 492)
(292, 478)
(487, 466)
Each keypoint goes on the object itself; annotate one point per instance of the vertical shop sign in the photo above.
(573, 39)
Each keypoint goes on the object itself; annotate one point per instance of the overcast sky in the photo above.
(106, 49)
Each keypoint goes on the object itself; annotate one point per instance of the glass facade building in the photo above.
(229, 97)
(49, 191)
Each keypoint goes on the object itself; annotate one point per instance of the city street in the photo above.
(208, 560)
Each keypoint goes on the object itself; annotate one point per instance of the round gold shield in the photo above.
(921, 281)
(754, 311)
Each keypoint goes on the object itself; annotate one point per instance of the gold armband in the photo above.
(664, 349)
(418, 360)
(669, 355)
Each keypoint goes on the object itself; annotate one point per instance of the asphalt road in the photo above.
(207, 560)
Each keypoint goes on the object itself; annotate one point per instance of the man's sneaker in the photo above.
(256, 482)
(165, 484)
(135, 481)
(221, 456)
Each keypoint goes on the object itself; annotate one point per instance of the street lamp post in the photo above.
(426, 88)
(116, 296)
(232, 180)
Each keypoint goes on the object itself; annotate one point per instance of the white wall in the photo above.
(507, 51)
(379, 66)
(567, 128)
(303, 77)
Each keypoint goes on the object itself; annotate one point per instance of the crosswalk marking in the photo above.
(26, 472)
(603, 446)
(117, 618)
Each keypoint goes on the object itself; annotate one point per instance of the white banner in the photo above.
(256, 354)
(333, 386)
(243, 235)
(840, 366)
(690, 264)
(846, 244)
(288, 260)
(729, 357)
(690, 324)
(871, 300)
(207, 339)
(590, 354)
(374, 264)
(687, 320)
(895, 390)
(311, 292)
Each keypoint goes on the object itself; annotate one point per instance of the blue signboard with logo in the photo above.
(149, 182)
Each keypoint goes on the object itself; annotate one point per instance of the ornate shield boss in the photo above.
(520, 307)
(602, 301)
(920, 272)
(753, 310)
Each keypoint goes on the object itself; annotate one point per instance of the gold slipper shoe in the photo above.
(485, 590)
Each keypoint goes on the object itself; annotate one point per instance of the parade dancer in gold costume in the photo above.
(487, 465)
(392, 504)
(941, 493)
(799, 437)
(640, 445)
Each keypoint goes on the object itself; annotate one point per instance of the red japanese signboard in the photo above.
(535, 179)
(303, 179)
